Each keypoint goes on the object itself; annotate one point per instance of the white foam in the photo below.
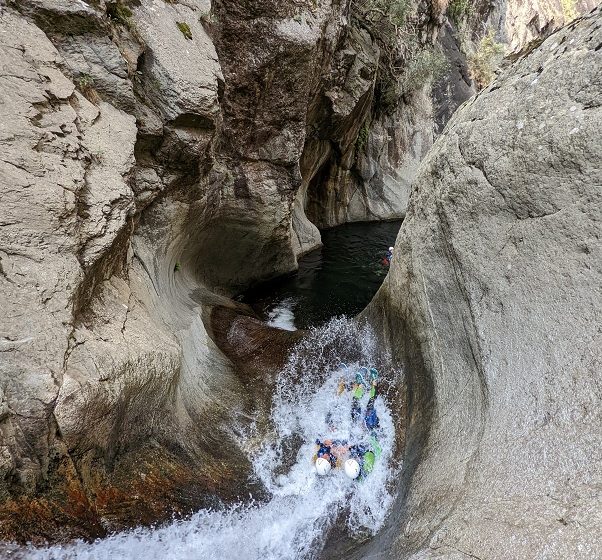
(295, 521)
(282, 316)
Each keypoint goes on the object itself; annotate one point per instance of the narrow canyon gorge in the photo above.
(160, 160)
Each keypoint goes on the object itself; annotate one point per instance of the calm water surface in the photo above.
(340, 278)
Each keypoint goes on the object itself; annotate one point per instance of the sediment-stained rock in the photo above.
(493, 304)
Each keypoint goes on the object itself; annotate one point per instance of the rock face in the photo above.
(524, 22)
(513, 25)
(493, 305)
(156, 154)
(361, 154)
(105, 359)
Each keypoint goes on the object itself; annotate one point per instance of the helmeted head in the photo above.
(352, 468)
(391, 249)
(322, 466)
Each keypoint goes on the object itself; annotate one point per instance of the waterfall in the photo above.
(295, 521)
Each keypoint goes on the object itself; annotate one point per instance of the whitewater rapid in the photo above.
(294, 523)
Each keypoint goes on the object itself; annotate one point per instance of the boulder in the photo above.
(493, 304)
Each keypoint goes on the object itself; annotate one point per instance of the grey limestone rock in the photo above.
(493, 304)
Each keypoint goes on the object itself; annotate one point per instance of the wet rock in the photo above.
(260, 351)
(492, 304)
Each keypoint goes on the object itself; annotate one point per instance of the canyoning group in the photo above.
(357, 459)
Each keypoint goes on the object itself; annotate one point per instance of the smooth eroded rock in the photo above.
(493, 305)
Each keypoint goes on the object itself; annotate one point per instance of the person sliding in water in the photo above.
(388, 257)
(365, 380)
(361, 461)
(329, 454)
(361, 457)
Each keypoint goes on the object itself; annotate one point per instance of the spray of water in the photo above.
(294, 523)
(281, 315)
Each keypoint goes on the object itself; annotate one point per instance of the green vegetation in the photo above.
(458, 10)
(120, 13)
(569, 10)
(399, 11)
(395, 11)
(85, 81)
(406, 64)
(85, 84)
(362, 137)
(425, 66)
(483, 63)
(185, 29)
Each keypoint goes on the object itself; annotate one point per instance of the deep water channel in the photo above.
(340, 278)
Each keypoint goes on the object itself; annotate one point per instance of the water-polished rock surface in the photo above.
(493, 303)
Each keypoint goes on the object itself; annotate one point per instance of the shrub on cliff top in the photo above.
(483, 63)
(406, 63)
(458, 10)
(569, 10)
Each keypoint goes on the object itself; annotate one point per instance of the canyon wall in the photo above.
(493, 304)
(478, 34)
(155, 157)
(105, 360)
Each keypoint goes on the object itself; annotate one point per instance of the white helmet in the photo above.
(391, 249)
(322, 466)
(352, 468)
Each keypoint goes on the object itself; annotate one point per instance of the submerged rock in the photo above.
(493, 305)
